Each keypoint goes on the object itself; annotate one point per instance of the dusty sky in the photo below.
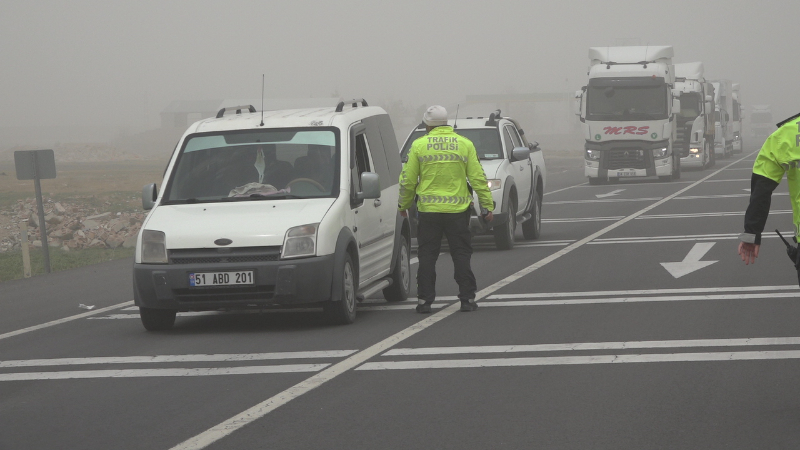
(115, 64)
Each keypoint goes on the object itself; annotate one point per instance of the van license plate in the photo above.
(627, 173)
(221, 278)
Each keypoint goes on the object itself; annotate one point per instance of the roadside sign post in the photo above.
(37, 165)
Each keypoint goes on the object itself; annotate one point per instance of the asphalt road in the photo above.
(631, 323)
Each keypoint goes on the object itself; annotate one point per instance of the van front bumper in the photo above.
(283, 282)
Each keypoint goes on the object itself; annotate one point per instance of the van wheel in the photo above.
(157, 319)
(504, 235)
(532, 228)
(344, 311)
(401, 275)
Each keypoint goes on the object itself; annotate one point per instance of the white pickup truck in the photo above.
(515, 171)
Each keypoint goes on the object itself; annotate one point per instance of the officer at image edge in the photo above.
(779, 155)
(439, 164)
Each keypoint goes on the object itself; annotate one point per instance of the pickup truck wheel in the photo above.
(157, 319)
(344, 311)
(504, 235)
(401, 276)
(532, 228)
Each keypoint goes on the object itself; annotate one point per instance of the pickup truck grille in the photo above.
(626, 159)
(224, 255)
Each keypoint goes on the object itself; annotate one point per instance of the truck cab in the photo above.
(694, 137)
(627, 111)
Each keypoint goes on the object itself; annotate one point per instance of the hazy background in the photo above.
(101, 71)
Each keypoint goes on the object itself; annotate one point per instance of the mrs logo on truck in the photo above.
(627, 130)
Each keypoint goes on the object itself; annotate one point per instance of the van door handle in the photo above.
(377, 202)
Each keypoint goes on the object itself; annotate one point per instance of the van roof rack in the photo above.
(354, 103)
(492, 122)
(237, 108)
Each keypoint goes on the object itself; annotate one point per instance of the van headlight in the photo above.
(494, 184)
(300, 241)
(660, 153)
(694, 150)
(154, 247)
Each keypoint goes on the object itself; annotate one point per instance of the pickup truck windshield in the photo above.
(486, 141)
(626, 103)
(255, 165)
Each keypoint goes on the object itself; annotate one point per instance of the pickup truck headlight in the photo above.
(694, 150)
(154, 247)
(592, 155)
(494, 184)
(300, 241)
(659, 153)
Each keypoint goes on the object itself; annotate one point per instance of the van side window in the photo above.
(362, 163)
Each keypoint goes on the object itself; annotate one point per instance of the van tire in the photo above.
(401, 275)
(343, 312)
(532, 228)
(504, 235)
(157, 319)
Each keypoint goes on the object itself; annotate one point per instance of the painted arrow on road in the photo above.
(692, 261)
(610, 194)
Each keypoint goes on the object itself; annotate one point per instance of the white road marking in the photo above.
(64, 320)
(583, 346)
(177, 358)
(137, 373)
(666, 298)
(564, 189)
(659, 216)
(644, 199)
(580, 360)
(260, 410)
(645, 292)
(610, 194)
(691, 263)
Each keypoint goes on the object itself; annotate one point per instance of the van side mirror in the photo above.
(149, 196)
(370, 186)
(520, 154)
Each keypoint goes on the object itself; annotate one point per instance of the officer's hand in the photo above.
(748, 252)
(488, 217)
(404, 213)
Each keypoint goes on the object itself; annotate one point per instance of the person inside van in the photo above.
(276, 172)
(316, 165)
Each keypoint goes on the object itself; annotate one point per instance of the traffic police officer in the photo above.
(780, 154)
(437, 170)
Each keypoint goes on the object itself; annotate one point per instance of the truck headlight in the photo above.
(592, 155)
(300, 241)
(154, 247)
(494, 184)
(659, 153)
(694, 150)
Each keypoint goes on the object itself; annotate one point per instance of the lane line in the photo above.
(564, 189)
(668, 298)
(176, 358)
(258, 411)
(138, 373)
(642, 199)
(692, 343)
(64, 320)
(644, 292)
(657, 216)
(582, 360)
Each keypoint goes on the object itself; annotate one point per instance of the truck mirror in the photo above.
(676, 106)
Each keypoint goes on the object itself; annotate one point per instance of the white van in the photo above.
(275, 208)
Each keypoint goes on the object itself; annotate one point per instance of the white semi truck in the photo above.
(694, 137)
(723, 100)
(761, 124)
(627, 111)
(736, 118)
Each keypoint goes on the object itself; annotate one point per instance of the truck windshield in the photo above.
(626, 102)
(690, 106)
(486, 141)
(255, 165)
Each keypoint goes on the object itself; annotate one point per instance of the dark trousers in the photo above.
(454, 226)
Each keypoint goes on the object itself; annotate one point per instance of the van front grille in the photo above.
(224, 255)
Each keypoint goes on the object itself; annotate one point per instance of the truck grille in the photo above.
(626, 159)
(224, 255)
(682, 135)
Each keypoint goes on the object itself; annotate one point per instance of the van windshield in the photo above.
(256, 165)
